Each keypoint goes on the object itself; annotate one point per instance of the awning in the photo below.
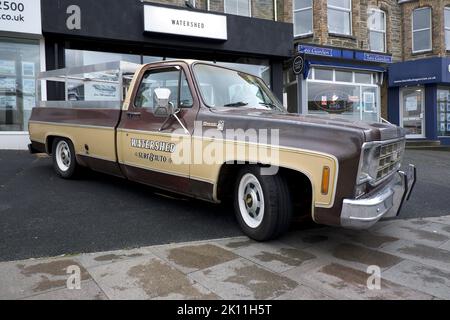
(340, 65)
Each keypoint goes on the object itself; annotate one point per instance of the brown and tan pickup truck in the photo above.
(214, 133)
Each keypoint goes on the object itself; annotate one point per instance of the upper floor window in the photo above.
(421, 30)
(340, 16)
(238, 7)
(303, 17)
(447, 27)
(377, 30)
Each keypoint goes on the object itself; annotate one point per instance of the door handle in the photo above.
(133, 115)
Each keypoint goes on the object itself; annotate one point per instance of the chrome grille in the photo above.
(389, 159)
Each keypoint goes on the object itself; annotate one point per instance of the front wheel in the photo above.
(64, 161)
(262, 204)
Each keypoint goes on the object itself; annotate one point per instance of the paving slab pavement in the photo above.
(412, 256)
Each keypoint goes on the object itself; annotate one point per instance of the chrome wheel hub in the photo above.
(62, 154)
(251, 200)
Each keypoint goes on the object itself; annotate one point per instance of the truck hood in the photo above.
(373, 131)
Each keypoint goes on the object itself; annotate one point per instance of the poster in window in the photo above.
(448, 107)
(369, 102)
(442, 117)
(448, 127)
(442, 126)
(448, 117)
(28, 69)
(7, 84)
(442, 106)
(28, 86)
(411, 103)
(442, 95)
(8, 67)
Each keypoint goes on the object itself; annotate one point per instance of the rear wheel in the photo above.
(262, 204)
(64, 161)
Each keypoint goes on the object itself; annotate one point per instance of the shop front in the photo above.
(85, 32)
(344, 83)
(21, 58)
(419, 98)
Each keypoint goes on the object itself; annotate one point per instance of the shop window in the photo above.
(447, 27)
(349, 94)
(303, 17)
(323, 74)
(344, 76)
(238, 7)
(421, 30)
(377, 30)
(19, 67)
(443, 112)
(340, 16)
(363, 77)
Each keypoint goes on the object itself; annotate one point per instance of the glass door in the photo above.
(412, 111)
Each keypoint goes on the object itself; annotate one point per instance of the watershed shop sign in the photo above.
(185, 23)
(21, 16)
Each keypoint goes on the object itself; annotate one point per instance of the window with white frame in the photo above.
(377, 30)
(447, 27)
(421, 30)
(351, 94)
(238, 7)
(303, 17)
(340, 16)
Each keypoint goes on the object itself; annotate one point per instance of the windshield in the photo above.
(222, 87)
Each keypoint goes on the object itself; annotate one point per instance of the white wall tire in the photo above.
(64, 160)
(262, 204)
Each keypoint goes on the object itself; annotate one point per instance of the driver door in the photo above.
(153, 146)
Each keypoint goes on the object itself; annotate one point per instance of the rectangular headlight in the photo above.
(368, 164)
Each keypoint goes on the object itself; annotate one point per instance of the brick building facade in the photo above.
(410, 94)
(419, 85)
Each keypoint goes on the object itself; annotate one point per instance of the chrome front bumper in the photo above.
(386, 203)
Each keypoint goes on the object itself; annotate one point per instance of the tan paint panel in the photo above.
(161, 161)
(309, 163)
(99, 139)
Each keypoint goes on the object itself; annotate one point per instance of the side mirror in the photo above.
(163, 107)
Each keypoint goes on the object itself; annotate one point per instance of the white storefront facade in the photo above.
(22, 57)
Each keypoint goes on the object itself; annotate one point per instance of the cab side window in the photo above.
(180, 95)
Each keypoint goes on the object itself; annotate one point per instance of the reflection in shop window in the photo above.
(19, 66)
(344, 96)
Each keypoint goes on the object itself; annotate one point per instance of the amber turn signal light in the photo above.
(325, 179)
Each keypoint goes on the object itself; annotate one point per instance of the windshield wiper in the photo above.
(236, 104)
